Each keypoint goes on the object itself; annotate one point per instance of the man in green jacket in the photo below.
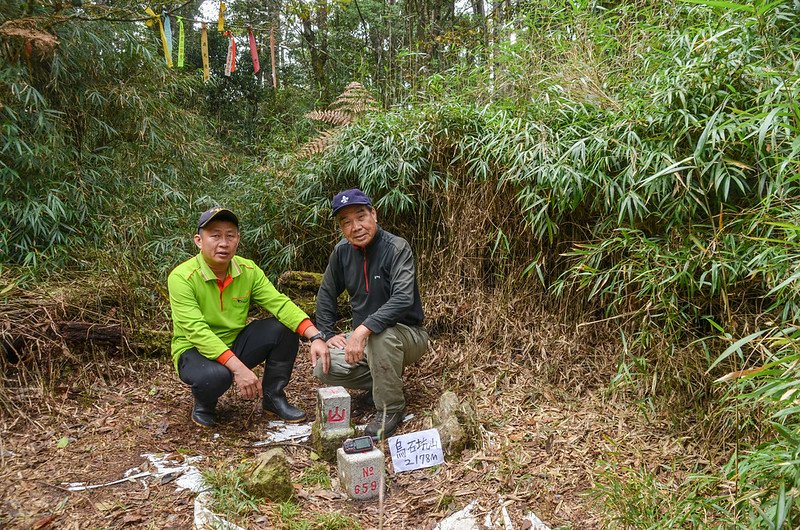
(212, 344)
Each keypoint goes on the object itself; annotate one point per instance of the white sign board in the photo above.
(416, 450)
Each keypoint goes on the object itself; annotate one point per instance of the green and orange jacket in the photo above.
(208, 313)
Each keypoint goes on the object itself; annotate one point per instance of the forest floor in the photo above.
(542, 451)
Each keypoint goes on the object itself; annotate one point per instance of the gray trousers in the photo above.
(381, 370)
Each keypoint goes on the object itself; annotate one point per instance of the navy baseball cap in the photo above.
(349, 198)
(217, 214)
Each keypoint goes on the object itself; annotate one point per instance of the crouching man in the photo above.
(377, 270)
(212, 344)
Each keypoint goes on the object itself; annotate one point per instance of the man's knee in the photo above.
(387, 340)
(263, 338)
(384, 347)
(340, 373)
(336, 358)
(270, 327)
(211, 382)
(329, 379)
(399, 345)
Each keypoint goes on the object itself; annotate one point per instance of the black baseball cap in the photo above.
(217, 214)
(349, 198)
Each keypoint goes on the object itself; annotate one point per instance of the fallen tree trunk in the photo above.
(91, 332)
(80, 335)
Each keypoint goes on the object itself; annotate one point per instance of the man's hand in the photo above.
(319, 352)
(337, 341)
(354, 348)
(248, 385)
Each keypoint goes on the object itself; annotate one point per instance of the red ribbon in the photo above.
(253, 50)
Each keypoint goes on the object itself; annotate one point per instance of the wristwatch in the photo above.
(319, 335)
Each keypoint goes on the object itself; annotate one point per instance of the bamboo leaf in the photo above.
(701, 142)
(791, 279)
(736, 346)
(740, 373)
(790, 436)
(768, 6)
(733, 6)
(766, 125)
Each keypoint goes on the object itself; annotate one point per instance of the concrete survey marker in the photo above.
(333, 405)
(360, 474)
(332, 425)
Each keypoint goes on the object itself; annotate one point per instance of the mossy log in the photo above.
(299, 282)
(151, 341)
(65, 320)
(146, 341)
(302, 287)
(90, 332)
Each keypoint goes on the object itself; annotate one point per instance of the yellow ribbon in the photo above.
(167, 56)
(204, 51)
(180, 42)
(150, 21)
(221, 19)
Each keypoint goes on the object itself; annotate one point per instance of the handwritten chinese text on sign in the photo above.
(416, 450)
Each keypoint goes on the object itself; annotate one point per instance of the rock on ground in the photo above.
(270, 478)
(456, 422)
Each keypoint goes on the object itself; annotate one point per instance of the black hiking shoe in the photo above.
(376, 427)
(204, 415)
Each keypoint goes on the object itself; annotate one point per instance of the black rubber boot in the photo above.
(204, 414)
(276, 377)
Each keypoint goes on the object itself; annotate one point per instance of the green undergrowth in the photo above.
(665, 197)
(230, 499)
(639, 498)
(636, 162)
(316, 475)
(228, 487)
(291, 517)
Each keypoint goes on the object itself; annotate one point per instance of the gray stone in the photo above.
(453, 437)
(270, 478)
(448, 407)
(457, 424)
(360, 474)
(333, 423)
(333, 408)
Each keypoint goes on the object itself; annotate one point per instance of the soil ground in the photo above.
(540, 450)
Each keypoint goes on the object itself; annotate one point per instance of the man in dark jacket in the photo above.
(377, 270)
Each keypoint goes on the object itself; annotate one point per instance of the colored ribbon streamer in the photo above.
(221, 19)
(152, 20)
(272, 57)
(180, 42)
(253, 50)
(167, 56)
(230, 62)
(168, 32)
(204, 51)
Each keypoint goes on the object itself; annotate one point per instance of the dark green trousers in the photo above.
(381, 370)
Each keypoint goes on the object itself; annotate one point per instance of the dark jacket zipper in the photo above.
(366, 277)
